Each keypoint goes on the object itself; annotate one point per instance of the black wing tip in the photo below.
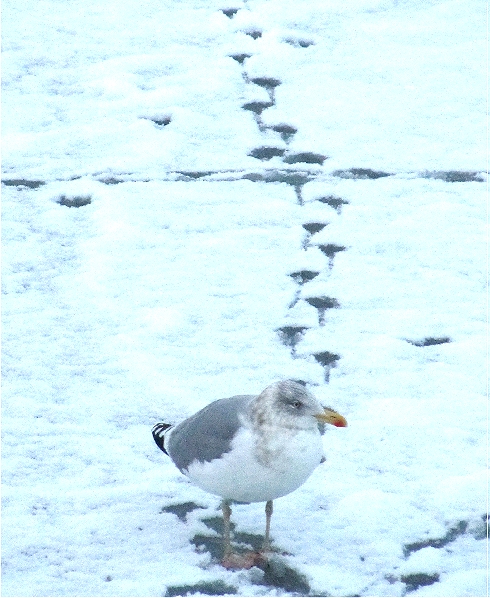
(158, 432)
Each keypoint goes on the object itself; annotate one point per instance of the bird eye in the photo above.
(296, 404)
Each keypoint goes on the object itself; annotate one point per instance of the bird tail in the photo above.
(159, 431)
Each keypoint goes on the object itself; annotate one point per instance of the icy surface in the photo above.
(152, 264)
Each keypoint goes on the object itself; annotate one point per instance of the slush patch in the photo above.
(181, 510)
(230, 12)
(330, 249)
(266, 153)
(240, 58)
(333, 201)
(22, 183)
(302, 276)
(314, 227)
(208, 588)
(305, 157)
(429, 341)
(455, 176)
(323, 302)
(253, 33)
(74, 201)
(360, 173)
(266, 82)
(257, 107)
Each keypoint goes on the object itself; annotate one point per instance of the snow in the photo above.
(150, 263)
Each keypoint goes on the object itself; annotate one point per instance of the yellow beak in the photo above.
(330, 416)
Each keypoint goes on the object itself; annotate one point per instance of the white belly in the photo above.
(243, 474)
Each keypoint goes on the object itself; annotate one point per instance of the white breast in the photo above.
(248, 474)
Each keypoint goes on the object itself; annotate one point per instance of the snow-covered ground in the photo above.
(198, 201)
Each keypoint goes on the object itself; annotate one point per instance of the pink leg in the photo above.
(268, 514)
(225, 506)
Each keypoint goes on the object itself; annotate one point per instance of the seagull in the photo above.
(249, 449)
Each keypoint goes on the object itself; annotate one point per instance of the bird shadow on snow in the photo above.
(274, 572)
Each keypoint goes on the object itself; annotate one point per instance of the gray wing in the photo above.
(207, 434)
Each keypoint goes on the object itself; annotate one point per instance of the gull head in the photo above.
(289, 404)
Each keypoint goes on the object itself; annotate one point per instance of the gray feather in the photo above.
(207, 434)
